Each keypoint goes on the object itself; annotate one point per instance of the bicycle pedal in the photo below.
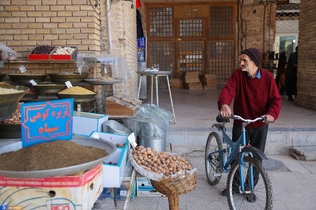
(217, 174)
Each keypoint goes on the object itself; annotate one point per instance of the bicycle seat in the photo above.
(221, 119)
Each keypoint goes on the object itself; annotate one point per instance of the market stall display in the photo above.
(10, 95)
(170, 174)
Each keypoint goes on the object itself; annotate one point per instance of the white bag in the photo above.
(7, 53)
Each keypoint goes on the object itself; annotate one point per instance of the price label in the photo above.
(132, 140)
(33, 82)
(68, 84)
(22, 69)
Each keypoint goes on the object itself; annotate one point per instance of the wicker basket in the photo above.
(173, 187)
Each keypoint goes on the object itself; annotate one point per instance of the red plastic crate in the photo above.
(72, 56)
(33, 56)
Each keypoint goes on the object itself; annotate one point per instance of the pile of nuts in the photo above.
(160, 162)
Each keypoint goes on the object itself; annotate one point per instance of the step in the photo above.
(279, 141)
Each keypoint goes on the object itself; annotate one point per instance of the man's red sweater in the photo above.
(254, 97)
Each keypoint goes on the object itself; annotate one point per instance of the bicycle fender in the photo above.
(258, 154)
(219, 126)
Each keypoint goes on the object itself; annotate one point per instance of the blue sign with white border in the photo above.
(46, 121)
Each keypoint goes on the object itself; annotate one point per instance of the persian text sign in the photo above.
(46, 121)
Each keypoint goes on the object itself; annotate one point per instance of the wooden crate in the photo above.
(116, 106)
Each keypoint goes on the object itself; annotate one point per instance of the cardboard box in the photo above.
(114, 167)
(144, 187)
(84, 123)
(121, 192)
(115, 164)
(55, 193)
(65, 57)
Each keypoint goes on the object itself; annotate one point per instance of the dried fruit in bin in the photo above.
(45, 49)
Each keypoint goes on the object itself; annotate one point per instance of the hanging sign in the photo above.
(46, 121)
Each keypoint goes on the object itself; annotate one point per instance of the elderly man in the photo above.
(255, 94)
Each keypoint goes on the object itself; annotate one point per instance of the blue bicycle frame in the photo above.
(238, 147)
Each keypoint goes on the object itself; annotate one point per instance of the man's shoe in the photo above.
(235, 191)
(251, 198)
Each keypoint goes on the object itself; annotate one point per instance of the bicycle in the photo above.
(248, 185)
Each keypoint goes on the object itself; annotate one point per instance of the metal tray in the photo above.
(25, 78)
(9, 102)
(78, 98)
(102, 82)
(85, 141)
(49, 88)
(73, 78)
(10, 131)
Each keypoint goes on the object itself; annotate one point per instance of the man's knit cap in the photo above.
(254, 54)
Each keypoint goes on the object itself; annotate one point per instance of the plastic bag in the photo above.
(7, 53)
(149, 120)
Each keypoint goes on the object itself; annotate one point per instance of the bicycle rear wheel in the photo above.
(260, 197)
(213, 162)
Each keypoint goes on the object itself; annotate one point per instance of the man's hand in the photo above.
(269, 118)
(225, 111)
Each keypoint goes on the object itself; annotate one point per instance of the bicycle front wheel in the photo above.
(213, 158)
(258, 198)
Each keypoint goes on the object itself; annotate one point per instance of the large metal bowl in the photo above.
(9, 102)
(73, 78)
(85, 141)
(25, 78)
(78, 98)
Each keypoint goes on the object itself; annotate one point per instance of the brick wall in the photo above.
(306, 94)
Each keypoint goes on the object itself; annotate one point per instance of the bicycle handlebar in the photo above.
(237, 117)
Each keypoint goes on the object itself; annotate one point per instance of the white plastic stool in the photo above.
(156, 74)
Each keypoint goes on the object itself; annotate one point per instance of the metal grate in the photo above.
(191, 27)
(160, 21)
(288, 11)
(221, 60)
(161, 55)
(221, 20)
(191, 56)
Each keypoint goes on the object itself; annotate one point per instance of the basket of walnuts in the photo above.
(169, 174)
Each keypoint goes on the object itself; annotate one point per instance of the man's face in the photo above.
(246, 63)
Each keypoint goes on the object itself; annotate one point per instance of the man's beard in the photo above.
(243, 68)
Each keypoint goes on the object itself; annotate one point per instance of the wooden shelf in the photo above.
(40, 61)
